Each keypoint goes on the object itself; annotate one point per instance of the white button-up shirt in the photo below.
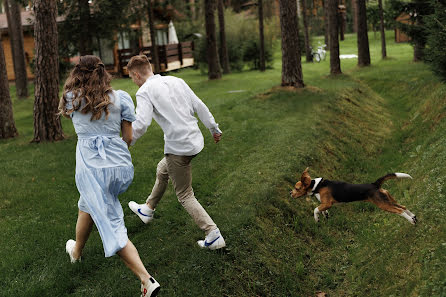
(171, 102)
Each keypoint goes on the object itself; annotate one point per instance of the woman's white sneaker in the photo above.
(142, 211)
(69, 247)
(213, 241)
(151, 289)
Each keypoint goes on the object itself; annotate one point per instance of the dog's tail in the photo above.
(381, 180)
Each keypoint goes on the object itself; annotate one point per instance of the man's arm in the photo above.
(203, 113)
(144, 113)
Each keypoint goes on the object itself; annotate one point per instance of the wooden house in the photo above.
(114, 53)
(400, 36)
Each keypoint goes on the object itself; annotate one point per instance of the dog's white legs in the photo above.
(316, 214)
(325, 213)
(411, 219)
(412, 216)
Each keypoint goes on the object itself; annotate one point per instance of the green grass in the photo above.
(355, 127)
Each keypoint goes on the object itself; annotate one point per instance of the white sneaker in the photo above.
(142, 211)
(214, 240)
(69, 247)
(151, 289)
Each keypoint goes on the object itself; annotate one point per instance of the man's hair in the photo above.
(140, 64)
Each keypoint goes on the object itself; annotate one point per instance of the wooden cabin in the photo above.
(400, 36)
(28, 40)
(114, 53)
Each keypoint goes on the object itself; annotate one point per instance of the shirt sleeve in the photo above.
(127, 107)
(144, 114)
(202, 110)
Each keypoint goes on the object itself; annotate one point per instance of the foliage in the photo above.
(416, 30)
(242, 39)
(106, 19)
(435, 53)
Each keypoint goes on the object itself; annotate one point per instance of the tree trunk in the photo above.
(85, 40)
(7, 125)
(308, 55)
(383, 34)
(154, 51)
(223, 47)
(354, 16)
(335, 62)
(326, 23)
(341, 24)
(192, 10)
(47, 126)
(291, 63)
(12, 10)
(363, 38)
(262, 38)
(214, 71)
(418, 51)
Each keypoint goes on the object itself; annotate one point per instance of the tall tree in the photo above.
(223, 47)
(308, 55)
(335, 62)
(214, 71)
(354, 16)
(383, 34)
(47, 126)
(363, 38)
(326, 24)
(154, 52)
(291, 63)
(262, 38)
(86, 37)
(7, 125)
(13, 16)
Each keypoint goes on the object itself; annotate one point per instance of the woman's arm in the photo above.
(126, 128)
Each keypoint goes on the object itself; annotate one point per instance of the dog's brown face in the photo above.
(301, 187)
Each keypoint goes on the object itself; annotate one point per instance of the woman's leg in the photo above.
(129, 254)
(83, 230)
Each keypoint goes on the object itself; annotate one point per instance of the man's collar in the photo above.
(153, 77)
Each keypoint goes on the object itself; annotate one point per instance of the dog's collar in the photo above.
(314, 183)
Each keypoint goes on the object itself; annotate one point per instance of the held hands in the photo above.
(217, 137)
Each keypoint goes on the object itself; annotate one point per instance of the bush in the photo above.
(435, 53)
(242, 40)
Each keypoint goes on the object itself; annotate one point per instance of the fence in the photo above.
(171, 56)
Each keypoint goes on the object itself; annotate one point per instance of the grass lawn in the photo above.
(355, 127)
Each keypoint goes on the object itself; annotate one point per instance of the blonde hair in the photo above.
(88, 81)
(140, 64)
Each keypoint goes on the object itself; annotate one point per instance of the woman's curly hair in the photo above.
(89, 85)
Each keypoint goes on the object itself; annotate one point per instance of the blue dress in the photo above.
(104, 168)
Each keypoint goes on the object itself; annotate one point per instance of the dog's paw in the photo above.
(326, 214)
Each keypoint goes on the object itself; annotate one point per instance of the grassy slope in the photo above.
(356, 127)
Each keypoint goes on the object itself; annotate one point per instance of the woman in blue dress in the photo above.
(103, 163)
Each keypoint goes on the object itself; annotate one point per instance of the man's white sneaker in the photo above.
(69, 247)
(142, 211)
(151, 289)
(214, 240)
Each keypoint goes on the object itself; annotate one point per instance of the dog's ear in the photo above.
(306, 179)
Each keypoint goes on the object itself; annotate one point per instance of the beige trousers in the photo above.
(178, 168)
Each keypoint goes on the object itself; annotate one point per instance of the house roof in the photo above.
(27, 19)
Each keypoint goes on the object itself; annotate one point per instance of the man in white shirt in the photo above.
(173, 105)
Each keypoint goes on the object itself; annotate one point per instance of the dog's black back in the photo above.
(345, 192)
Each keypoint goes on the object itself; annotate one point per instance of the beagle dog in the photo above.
(330, 192)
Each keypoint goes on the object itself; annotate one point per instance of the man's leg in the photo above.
(179, 170)
(162, 179)
(145, 211)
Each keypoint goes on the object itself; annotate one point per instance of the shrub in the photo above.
(435, 53)
(242, 40)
